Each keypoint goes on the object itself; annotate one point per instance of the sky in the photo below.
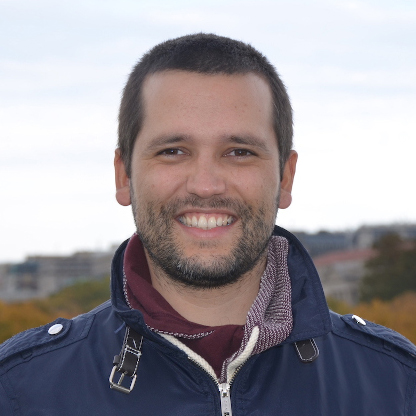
(350, 70)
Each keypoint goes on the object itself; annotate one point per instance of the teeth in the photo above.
(212, 222)
(204, 223)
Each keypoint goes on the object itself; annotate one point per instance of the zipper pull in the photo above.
(225, 399)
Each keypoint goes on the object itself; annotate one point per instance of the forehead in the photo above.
(177, 81)
(183, 90)
(206, 109)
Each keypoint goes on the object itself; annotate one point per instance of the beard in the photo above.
(155, 228)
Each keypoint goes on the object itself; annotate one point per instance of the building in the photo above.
(339, 257)
(40, 276)
(341, 273)
(324, 241)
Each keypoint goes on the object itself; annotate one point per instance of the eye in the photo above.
(171, 152)
(240, 153)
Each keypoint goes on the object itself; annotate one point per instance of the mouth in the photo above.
(206, 221)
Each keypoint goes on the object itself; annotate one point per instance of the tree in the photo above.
(398, 314)
(76, 299)
(18, 317)
(392, 271)
(71, 301)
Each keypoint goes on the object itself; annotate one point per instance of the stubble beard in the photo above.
(154, 226)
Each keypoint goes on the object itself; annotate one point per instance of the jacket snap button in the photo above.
(55, 329)
(358, 320)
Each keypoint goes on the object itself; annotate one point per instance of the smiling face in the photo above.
(205, 175)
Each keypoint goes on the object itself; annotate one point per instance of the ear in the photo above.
(122, 180)
(287, 180)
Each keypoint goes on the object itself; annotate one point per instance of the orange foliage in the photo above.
(17, 317)
(398, 314)
(70, 301)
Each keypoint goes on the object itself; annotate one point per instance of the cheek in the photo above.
(157, 184)
(260, 188)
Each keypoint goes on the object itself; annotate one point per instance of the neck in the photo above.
(227, 305)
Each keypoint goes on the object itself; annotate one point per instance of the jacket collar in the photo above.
(309, 308)
(310, 312)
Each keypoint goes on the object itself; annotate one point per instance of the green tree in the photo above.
(392, 271)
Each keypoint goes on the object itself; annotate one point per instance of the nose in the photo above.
(205, 178)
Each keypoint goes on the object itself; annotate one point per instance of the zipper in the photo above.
(225, 399)
(225, 393)
(224, 388)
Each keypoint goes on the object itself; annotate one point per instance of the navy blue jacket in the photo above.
(360, 370)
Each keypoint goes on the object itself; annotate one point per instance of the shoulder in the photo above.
(38, 341)
(377, 337)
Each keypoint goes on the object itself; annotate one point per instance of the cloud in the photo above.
(349, 66)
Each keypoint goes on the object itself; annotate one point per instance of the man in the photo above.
(214, 311)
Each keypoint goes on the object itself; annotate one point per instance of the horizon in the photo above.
(113, 246)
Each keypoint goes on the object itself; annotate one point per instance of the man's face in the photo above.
(205, 179)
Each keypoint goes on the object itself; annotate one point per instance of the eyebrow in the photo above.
(161, 141)
(248, 140)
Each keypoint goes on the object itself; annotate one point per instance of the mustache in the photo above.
(194, 201)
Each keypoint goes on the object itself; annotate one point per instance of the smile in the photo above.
(206, 221)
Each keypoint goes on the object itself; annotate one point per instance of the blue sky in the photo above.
(350, 68)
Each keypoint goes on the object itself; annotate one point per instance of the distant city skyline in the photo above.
(317, 243)
(350, 69)
(339, 258)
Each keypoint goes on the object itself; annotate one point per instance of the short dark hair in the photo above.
(205, 54)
